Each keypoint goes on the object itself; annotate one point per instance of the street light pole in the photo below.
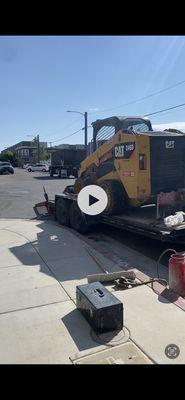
(85, 115)
(85, 125)
(38, 149)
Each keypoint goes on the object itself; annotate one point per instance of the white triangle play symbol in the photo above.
(92, 200)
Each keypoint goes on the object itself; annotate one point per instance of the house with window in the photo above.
(25, 151)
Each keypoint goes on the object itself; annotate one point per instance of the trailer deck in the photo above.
(142, 221)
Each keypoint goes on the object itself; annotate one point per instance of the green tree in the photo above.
(8, 156)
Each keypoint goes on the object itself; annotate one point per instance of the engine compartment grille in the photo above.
(167, 161)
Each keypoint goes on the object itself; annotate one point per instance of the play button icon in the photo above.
(92, 200)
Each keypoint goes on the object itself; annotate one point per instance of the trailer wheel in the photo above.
(78, 220)
(62, 212)
(116, 196)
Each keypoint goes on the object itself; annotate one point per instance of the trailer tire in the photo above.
(77, 219)
(116, 196)
(62, 211)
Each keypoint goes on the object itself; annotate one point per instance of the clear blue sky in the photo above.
(41, 77)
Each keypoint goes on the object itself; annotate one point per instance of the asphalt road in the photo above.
(19, 193)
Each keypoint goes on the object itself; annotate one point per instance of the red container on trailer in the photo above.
(177, 273)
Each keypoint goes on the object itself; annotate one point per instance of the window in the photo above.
(25, 152)
(142, 161)
(5, 163)
(104, 134)
(140, 127)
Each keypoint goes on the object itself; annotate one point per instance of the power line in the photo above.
(167, 113)
(146, 115)
(166, 109)
(65, 137)
(82, 129)
(141, 98)
(72, 123)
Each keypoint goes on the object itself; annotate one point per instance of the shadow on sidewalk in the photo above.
(168, 296)
(79, 330)
(56, 251)
(46, 178)
(71, 262)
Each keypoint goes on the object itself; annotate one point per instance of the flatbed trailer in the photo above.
(142, 220)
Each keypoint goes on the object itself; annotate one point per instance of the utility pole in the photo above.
(38, 149)
(85, 116)
(85, 127)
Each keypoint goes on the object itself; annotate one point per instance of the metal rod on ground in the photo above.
(107, 276)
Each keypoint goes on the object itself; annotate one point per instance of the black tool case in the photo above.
(101, 308)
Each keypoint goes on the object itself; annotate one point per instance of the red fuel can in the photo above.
(177, 273)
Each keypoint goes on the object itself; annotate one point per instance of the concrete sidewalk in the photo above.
(41, 263)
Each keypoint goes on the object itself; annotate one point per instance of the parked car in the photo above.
(26, 165)
(6, 167)
(38, 167)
